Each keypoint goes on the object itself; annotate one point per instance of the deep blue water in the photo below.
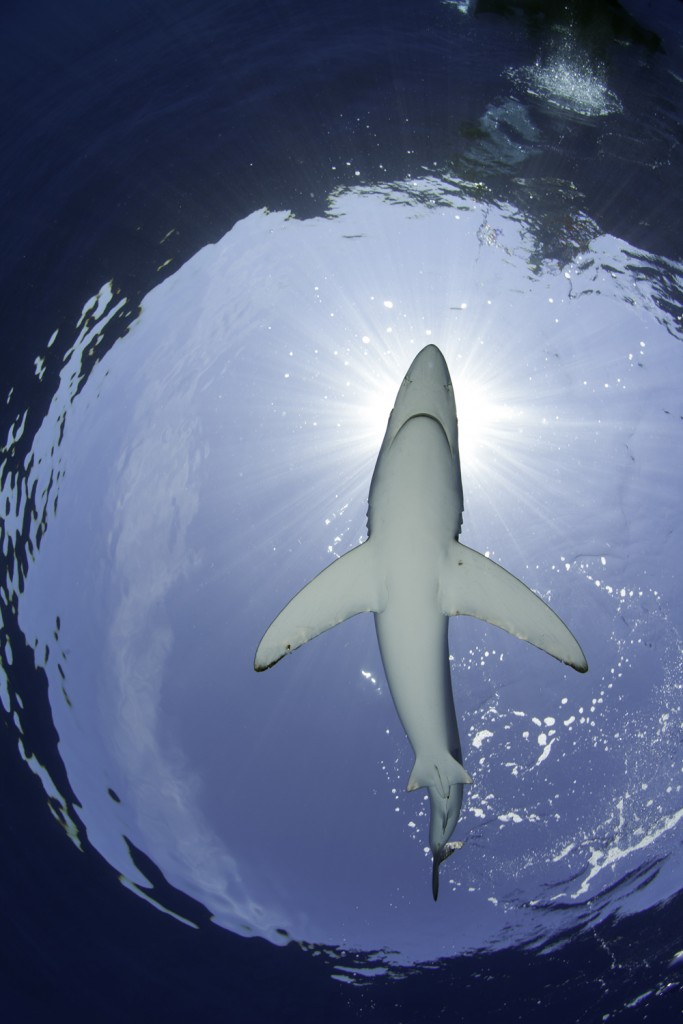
(134, 137)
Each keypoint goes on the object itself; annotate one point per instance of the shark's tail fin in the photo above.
(438, 858)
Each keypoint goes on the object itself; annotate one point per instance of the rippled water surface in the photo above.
(193, 438)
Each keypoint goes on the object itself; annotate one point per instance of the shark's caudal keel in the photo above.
(413, 573)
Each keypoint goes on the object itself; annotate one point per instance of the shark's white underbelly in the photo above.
(413, 515)
(414, 652)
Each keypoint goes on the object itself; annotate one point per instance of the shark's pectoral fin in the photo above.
(346, 587)
(472, 584)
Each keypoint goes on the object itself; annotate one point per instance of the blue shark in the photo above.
(413, 573)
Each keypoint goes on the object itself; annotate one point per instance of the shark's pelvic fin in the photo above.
(346, 587)
(440, 776)
(472, 584)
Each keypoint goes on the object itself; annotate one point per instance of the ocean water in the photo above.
(228, 230)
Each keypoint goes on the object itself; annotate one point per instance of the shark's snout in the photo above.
(429, 368)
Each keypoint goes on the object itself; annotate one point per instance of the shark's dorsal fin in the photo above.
(471, 584)
(348, 586)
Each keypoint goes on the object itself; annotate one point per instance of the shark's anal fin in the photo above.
(348, 586)
(472, 584)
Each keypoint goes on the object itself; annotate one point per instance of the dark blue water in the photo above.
(132, 138)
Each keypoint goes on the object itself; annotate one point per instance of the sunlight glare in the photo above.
(485, 421)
